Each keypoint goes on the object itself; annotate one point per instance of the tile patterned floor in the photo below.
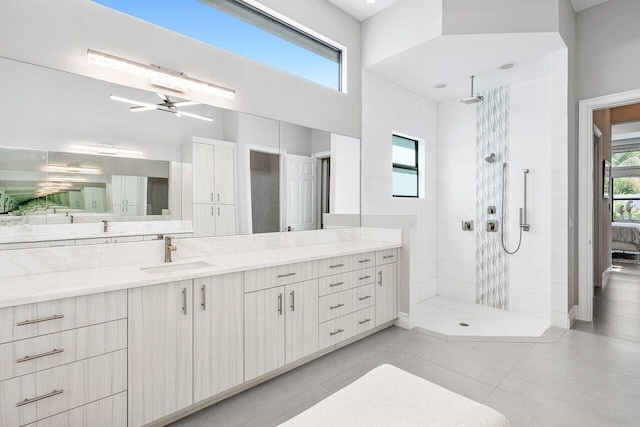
(589, 377)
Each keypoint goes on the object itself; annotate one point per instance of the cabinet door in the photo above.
(117, 189)
(203, 176)
(204, 220)
(225, 220)
(301, 320)
(387, 293)
(224, 171)
(263, 332)
(160, 351)
(218, 335)
(131, 190)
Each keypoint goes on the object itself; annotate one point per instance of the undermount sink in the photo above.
(171, 268)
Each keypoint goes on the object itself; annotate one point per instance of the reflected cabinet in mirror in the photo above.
(87, 161)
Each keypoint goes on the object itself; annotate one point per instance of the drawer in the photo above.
(341, 282)
(265, 278)
(387, 256)
(36, 354)
(336, 265)
(341, 303)
(365, 260)
(53, 391)
(346, 327)
(107, 412)
(32, 320)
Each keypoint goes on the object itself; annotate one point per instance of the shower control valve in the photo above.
(467, 225)
(492, 226)
(491, 210)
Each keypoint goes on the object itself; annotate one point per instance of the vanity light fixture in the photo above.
(108, 150)
(55, 184)
(72, 169)
(159, 76)
(67, 179)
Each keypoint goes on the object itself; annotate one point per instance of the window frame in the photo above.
(415, 168)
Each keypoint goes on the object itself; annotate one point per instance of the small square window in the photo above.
(405, 167)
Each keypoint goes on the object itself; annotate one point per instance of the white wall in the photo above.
(58, 33)
(388, 108)
(530, 147)
(345, 175)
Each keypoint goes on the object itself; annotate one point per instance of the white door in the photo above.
(131, 190)
(224, 175)
(301, 175)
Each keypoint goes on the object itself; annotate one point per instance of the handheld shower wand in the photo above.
(524, 226)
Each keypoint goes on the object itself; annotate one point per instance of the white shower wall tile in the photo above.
(388, 108)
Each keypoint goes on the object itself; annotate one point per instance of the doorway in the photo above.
(609, 190)
(264, 170)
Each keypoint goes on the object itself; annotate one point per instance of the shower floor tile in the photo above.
(442, 316)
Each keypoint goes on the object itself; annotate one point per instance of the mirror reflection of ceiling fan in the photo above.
(166, 105)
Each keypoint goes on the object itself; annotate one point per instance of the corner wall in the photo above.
(389, 108)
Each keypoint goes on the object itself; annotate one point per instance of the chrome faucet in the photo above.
(105, 225)
(71, 217)
(168, 248)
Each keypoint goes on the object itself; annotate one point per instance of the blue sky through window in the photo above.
(207, 24)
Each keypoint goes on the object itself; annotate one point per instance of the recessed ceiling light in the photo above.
(508, 66)
(371, 1)
(441, 85)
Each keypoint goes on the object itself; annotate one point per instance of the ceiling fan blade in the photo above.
(185, 103)
(196, 116)
(132, 102)
(140, 109)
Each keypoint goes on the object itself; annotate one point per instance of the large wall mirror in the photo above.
(86, 161)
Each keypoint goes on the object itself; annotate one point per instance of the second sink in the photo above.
(176, 267)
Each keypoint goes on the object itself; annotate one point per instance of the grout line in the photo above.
(516, 365)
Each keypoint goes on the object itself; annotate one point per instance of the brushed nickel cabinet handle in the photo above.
(364, 298)
(364, 260)
(293, 300)
(364, 277)
(204, 298)
(336, 284)
(184, 300)
(336, 332)
(218, 210)
(44, 396)
(37, 356)
(387, 256)
(212, 197)
(218, 197)
(336, 266)
(280, 276)
(333, 307)
(44, 319)
(380, 277)
(280, 304)
(362, 322)
(212, 211)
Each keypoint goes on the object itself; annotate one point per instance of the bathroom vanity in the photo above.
(145, 344)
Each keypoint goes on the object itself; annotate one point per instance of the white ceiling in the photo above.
(579, 5)
(360, 9)
(452, 59)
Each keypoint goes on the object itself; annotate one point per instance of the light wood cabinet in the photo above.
(301, 320)
(225, 220)
(203, 174)
(204, 220)
(264, 332)
(94, 199)
(160, 350)
(387, 293)
(281, 326)
(224, 173)
(218, 335)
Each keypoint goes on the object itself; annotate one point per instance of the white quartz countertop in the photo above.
(28, 289)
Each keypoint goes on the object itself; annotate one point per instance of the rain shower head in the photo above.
(473, 99)
(491, 158)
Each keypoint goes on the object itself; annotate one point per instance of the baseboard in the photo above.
(573, 315)
(606, 274)
(403, 321)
